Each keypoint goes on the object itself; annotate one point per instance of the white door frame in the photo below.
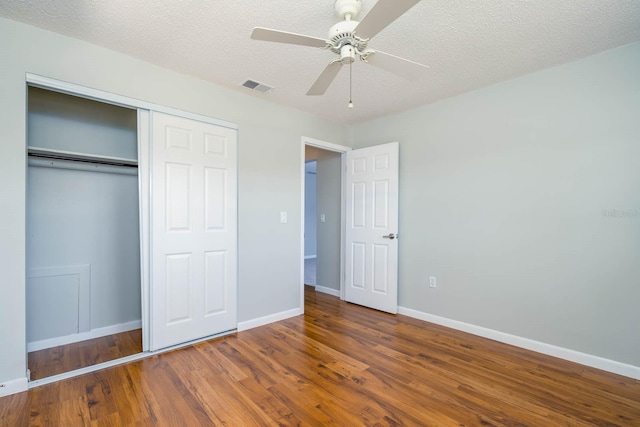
(342, 149)
(144, 188)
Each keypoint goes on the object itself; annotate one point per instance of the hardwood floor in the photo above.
(339, 364)
(65, 358)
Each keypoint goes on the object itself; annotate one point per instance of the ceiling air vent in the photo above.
(253, 85)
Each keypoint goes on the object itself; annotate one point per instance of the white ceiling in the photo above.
(467, 43)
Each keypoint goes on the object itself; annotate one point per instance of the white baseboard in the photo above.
(261, 321)
(14, 386)
(83, 336)
(310, 256)
(330, 291)
(537, 346)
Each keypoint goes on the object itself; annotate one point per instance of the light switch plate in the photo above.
(322, 218)
(432, 282)
(283, 217)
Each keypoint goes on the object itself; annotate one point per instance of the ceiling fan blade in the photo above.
(383, 13)
(394, 64)
(277, 36)
(326, 77)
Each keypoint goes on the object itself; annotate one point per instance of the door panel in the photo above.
(178, 287)
(215, 198)
(380, 269)
(194, 238)
(372, 213)
(177, 197)
(358, 265)
(215, 279)
(381, 204)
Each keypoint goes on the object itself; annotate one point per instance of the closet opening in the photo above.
(83, 233)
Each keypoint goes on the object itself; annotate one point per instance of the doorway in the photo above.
(83, 235)
(368, 223)
(323, 222)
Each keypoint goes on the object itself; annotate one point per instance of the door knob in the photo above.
(390, 236)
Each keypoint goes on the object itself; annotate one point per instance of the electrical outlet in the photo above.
(283, 217)
(432, 281)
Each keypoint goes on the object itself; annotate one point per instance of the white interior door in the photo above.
(371, 262)
(194, 238)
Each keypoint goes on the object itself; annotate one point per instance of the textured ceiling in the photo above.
(467, 43)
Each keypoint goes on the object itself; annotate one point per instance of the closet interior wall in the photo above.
(83, 240)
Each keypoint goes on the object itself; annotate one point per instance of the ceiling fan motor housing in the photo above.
(341, 35)
(341, 30)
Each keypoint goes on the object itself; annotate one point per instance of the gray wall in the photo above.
(269, 153)
(78, 218)
(310, 210)
(328, 188)
(507, 196)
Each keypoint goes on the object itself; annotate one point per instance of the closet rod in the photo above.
(85, 166)
(51, 153)
(82, 160)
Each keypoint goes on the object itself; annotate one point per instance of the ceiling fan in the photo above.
(349, 39)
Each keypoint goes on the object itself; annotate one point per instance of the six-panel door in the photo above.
(194, 232)
(371, 261)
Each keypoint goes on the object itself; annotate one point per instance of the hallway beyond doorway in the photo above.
(310, 271)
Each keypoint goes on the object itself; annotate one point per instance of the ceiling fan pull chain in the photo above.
(350, 104)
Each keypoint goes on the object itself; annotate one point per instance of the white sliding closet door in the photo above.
(194, 238)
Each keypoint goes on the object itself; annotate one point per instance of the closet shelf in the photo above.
(71, 155)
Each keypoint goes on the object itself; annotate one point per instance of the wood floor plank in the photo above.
(225, 406)
(69, 357)
(175, 405)
(302, 405)
(14, 410)
(270, 405)
(339, 364)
